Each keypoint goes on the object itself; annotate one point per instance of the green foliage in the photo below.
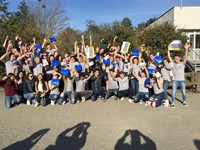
(159, 37)
(67, 38)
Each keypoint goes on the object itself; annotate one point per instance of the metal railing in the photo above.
(194, 60)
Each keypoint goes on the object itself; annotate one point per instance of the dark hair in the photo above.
(82, 74)
(28, 75)
(8, 80)
(17, 77)
(143, 71)
(43, 81)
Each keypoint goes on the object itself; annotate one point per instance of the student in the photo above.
(80, 92)
(37, 67)
(29, 90)
(165, 71)
(159, 94)
(68, 91)
(10, 85)
(97, 84)
(54, 89)
(143, 91)
(49, 50)
(134, 82)
(20, 79)
(10, 63)
(42, 89)
(179, 74)
(124, 89)
(111, 85)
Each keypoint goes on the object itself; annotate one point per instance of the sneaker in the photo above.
(78, 101)
(52, 102)
(64, 102)
(115, 97)
(166, 103)
(103, 99)
(141, 102)
(36, 104)
(146, 103)
(28, 102)
(185, 104)
(172, 106)
(83, 99)
(122, 98)
(130, 100)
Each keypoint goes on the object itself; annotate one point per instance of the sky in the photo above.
(107, 11)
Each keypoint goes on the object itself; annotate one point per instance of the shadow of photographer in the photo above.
(138, 141)
(29, 142)
(74, 141)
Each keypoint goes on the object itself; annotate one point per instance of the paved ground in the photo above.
(101, 126)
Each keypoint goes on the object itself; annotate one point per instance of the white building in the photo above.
(187, 19)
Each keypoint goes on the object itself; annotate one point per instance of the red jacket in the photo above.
(10, 90)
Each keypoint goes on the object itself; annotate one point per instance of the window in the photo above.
(197, 41)
(192, 41)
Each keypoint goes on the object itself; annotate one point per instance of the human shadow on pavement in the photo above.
(72, 138)
(197, 144)
(29, 142)
(138, 141)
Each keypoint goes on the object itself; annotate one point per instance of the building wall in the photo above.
(187, 18)
(167, 17)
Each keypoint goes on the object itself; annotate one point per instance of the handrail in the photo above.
(194, 54)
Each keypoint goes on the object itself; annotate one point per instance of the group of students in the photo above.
(40, 75)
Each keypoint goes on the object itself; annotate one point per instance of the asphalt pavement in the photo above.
(101, 125)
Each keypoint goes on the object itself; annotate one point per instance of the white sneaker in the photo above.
(122, 98)
(36, 104)
(52, 102)
(130, 100)
(83, 99)
(64, 102)
(166, 103)
(78, 101)
(141, 102)
(28, 102)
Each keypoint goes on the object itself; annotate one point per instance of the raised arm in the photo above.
(168, 54)
(83, 44)
(75, 46)
(186, 46)
(55, 46)
(90, 40)
(6, 39)
(3, 56)
(44, 42)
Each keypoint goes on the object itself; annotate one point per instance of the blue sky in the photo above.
(107, 11)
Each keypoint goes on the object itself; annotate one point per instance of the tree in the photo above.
(159, 37)
(50, 17)
(126, 22)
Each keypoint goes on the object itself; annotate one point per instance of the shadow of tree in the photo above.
(138, 141)
(29, 142)
(76, 141)
(197, 144)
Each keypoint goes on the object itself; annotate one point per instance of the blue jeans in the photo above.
(30, 97)
(166, 84)
(100, 91)
(56, 98)
(175, 85)
(70, 96)
(158, 98)
(111, 92)
(8, 100)
(135, 86)
(141, 96)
